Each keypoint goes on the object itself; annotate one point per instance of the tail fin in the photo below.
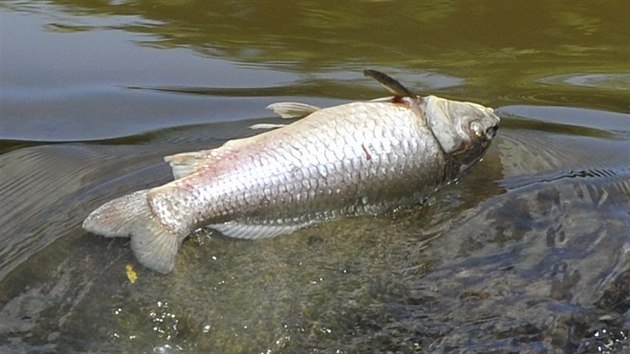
(154, 246)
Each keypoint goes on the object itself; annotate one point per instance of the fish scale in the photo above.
(353, 159)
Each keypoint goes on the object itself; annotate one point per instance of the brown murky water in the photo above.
(529, 253)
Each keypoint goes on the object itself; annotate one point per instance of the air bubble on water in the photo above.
(326, 330)
(282, 341)
(163, 349)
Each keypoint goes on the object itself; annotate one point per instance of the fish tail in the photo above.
(153, 244)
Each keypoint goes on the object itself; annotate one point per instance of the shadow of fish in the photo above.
(353, 159)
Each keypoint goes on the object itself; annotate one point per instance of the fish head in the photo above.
(464, 130)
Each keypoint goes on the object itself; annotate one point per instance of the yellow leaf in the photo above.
(131, 274)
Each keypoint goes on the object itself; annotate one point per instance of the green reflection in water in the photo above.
(501, 49)
(314, 34)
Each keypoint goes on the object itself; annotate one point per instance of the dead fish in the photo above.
(352, 159)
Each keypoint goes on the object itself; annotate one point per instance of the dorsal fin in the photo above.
(391, 85)
(253, 231)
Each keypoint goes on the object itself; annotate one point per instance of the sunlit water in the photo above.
(530, 252)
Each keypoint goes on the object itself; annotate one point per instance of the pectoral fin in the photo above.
(394, 87)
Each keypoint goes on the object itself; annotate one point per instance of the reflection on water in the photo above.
(609, 81)
(527, 253)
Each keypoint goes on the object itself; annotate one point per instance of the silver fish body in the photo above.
(352, 159)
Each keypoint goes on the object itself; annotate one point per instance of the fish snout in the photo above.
(486, 128)
(491, 131)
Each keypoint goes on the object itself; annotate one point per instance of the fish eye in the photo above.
(478, 129)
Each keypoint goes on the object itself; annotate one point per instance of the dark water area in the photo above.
(528, 253)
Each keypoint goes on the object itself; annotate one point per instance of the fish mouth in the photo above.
(491, 132)
(480, 135)
(485, 129)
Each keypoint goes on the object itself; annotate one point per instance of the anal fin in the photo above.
(187, 163)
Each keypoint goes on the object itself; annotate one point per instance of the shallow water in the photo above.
(530, 252)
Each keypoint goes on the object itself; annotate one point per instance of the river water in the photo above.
(528, 253)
